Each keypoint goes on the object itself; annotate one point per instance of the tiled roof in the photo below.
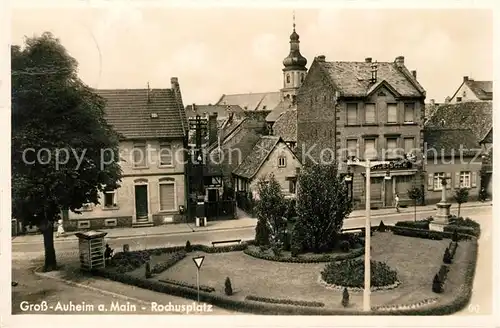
(286, 126)
(283, 106)
(252, 101)
(430, 109)
(482, 89)
(130, 113)
(252, 163)
(474, 115)
(450, 141)
(352, 79)
(222, 111)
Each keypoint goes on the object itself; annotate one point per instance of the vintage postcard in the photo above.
(244, 160)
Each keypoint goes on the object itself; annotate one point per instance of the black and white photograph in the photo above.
(300, 160)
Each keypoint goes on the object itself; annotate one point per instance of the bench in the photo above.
(226, 242)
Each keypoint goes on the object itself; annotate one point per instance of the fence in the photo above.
(220, 210)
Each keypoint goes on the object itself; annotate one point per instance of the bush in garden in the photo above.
(262, 233)
(381, 227)
(455, 236)
(148, 270)
(294, 251)
(436, 285)
(350, 273)
(228, 289)
(345, 298)
(344, 246)
(447, 256)
(189, 248)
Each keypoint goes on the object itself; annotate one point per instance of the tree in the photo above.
(63, 151)
(322, 206)
(461, 196)
(270, 210)
(415, 193)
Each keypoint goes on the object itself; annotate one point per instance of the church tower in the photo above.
(295, 69)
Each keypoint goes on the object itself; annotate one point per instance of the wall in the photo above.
(451, 167)
(469, 95)
(316, 117)
(280, 173)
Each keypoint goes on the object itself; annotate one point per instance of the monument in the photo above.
(443, 211)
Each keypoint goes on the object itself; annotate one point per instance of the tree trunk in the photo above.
(47, 229)
(415, 210)
(459, 209)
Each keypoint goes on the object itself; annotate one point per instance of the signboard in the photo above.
(198, 261)
(401, 165)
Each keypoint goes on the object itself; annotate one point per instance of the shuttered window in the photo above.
(352, 114)
(437, 181)
(167, 197)
(370, 150)
(409, 113)
(370, 113)
(392, 113)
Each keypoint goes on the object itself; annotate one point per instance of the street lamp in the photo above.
(367, 165)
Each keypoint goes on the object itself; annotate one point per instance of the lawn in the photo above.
(416, 261)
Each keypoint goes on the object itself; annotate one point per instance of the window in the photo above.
(465, 179)
(281, 161)
(437, 180)
(167, 196)
(165, 155)
(109, 198)
(140, 155)
(292, 185)
(464, 94)
(352, 147)
(301, 77)
(352, 114)
(370, 113)
(392, 144)
(459, 99)
(409, 145)
(288, 78)
(410, 113)
(370, 150)
(392, 113)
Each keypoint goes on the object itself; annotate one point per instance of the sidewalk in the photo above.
(244, 221)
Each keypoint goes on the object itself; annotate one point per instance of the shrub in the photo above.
(447, 256)
(276, 249)
(148, 270)
(262, 233)
(345, 297)
(460, 231)
(316, 258)
(344, 246)
(350, 273)
(188, 248)
(453, 249)
(381, 227)
(228, 289)
(420, 224)
(294, 251)
(160, 267)
(436, 285)
(283, 301)
(203, 288)
(419, 233)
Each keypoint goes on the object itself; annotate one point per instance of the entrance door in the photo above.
(141, 202)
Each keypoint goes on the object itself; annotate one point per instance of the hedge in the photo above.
(312, 259)
(462, 229)
(419, 233)
(207, 289)
(266, 308)
(160, 267)
(284, 301)
(421, 224)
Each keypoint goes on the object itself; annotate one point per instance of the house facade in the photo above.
(153, 130)
(367, 109)
(271, 155)
(472, 90)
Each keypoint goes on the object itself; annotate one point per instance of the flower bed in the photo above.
(355, 289)
(303, 258)
(283, 301)
(207, 289)
(351, 274)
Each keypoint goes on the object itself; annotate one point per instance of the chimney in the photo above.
(447, 100)
(174, 82)
(433, 102)
(466, 78)
(414, 73)
(400, 61)
(368, 59)
(321, 58)
(297, 171)
(212, 128)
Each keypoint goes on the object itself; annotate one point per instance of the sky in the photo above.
(233, 50)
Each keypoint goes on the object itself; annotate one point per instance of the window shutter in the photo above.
(474, 179)
(457, 180)
(430, 181)
(448, 180)
(167, 197)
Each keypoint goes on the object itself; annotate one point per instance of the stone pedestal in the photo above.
(442, 217)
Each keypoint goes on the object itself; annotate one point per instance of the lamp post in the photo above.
(367, 165)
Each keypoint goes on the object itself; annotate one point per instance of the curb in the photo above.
(102, 291)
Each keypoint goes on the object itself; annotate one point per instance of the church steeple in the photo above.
(295, 67)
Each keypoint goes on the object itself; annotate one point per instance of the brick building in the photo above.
(363, 109)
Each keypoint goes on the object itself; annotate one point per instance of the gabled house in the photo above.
(153, 130)
(472, 90)
(271, 155)
(285, 127)
(369, 110)
(222, 111)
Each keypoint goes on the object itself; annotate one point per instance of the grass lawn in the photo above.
(416, 261)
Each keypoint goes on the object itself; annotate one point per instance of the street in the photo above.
(33, 288)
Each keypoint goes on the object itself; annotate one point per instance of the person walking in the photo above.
(396, 202)
(60, 228)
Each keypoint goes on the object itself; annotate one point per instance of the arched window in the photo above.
(302, 77)
(288, 78)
